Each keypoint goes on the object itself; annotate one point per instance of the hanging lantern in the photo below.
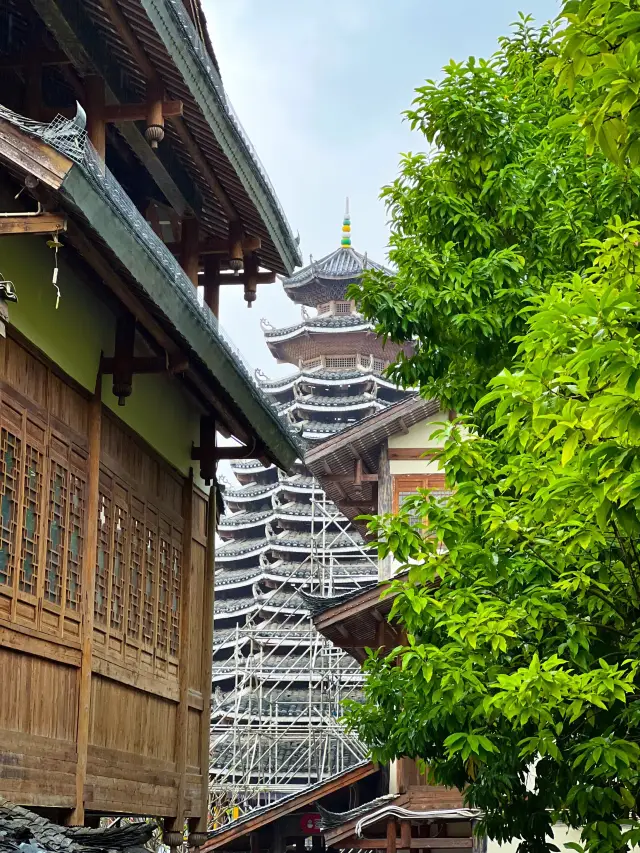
(154, 133)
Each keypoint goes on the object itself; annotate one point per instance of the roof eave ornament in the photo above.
(345, 241)
(266, 326)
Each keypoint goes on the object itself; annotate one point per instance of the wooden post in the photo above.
(96, 126)
(405, 835)
(189, 249)
(88, 594)
(212, 283)
(254, 840)
(182, 717)
(391, 835)
(207, 661)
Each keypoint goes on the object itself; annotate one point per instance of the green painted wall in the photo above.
(73, 336)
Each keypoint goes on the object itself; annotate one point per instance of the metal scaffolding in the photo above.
(278, 729)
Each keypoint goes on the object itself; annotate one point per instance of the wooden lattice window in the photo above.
(164, 569)
(148, 615)
(102, 559)
(76, 540)
(118, 567)
(135, 578)
(31, 509)
(406, 486)
(378, 365)
(56, 532)
(174, 637)
(337, 362)
(10, 462)
(344, 307)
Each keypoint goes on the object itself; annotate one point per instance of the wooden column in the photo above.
(190, 249)
(182, 717)
(254, 841)
(391, 835)
(385, 504)
(88, 594)
(212, 283)
(207, 661)
(96, 126)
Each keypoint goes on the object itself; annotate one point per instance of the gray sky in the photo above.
(319, 86)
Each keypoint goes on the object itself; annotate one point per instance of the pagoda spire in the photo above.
(345, 242)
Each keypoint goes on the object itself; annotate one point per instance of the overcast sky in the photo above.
(320, 86)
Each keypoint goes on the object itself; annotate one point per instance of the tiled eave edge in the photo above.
(188, 59)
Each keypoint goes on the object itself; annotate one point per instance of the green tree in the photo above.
(600, 47)
(495, 213)
(523, 631)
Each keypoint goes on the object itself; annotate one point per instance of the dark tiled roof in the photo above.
(319, 603)
(22, 831)
(345, 321)
(238, 548)
(330, 820)
(238, 519)
(250, 490)
(344, 262)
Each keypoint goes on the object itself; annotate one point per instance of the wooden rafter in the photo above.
(41, 223)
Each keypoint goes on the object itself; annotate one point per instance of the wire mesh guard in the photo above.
(277, 729)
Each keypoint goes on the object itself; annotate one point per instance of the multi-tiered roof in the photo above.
(279, 533)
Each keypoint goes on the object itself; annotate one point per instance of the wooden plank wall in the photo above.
(131, 764)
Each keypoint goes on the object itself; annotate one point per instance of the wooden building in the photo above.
(294, 821)
(115, 378)
(372, 468)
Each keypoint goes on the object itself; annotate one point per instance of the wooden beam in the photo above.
(45, 57)
(41, 223)
(348, 478)
(189, 260)
(411, 453)
(96, 128)
(139, 112)
(219, 246)
(262, 278)
(117, 113)
(88, 594)
(211, 282)
(33, 156)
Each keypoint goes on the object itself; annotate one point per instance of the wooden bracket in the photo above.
(219, 246)
(36, 223)
(124, 365)
(206, 452)
(260, 278)
(118, 113)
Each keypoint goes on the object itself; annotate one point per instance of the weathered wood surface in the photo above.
(35, 157)
(105, 695)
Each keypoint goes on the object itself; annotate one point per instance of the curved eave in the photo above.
(249, 525)
(320, 407)
(309, 379)
(243, 555)
(242, 497)
(232, 614)
(174, 27)
(276, 337)
(173, 297)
